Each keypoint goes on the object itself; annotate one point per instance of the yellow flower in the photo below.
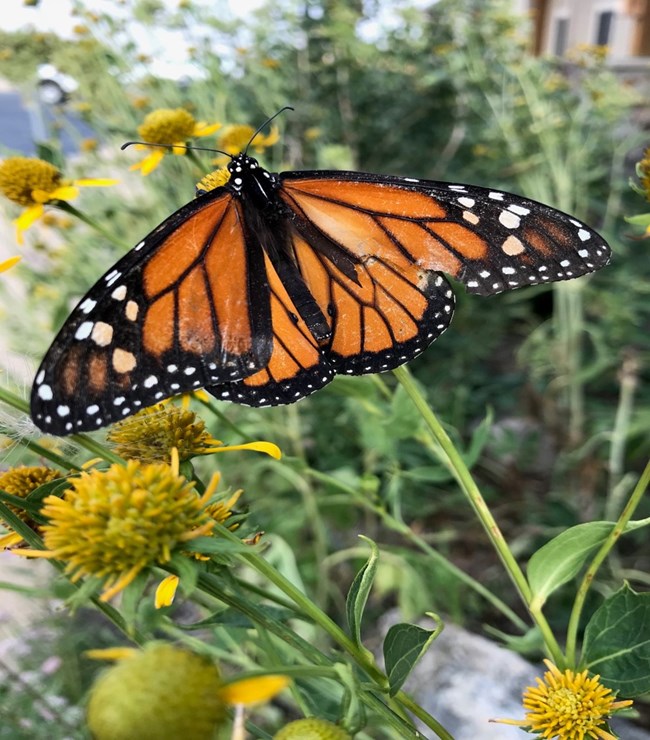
(152, 434)
(171, 127)
(163, 691)
(643, 169)
(213, 180)
(21, 482)
(566, 705)
(32, 183)
(312, 728)
(234, 139)
(114, 523)
(167, 691)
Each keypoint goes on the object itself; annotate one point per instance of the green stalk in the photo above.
(63, 205)
(590, 573)
(476, 500)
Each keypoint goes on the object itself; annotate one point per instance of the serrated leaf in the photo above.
(559, 560)
(617, 642)
(360, 590)
(404, 645)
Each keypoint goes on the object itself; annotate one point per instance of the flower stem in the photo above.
(587, 579)
(68, 208)
(476, 500)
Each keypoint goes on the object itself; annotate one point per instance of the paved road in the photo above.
(24, 122)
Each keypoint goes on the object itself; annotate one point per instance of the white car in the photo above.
(54, 87)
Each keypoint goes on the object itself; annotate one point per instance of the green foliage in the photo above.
(539, 390)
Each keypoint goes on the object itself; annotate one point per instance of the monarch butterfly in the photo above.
(265, 288)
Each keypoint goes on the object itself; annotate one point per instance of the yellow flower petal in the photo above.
(8, 264)
(150, 162)
(26, 219)
(267, 447)
(179, 149)
(166, 591)
(203, 129)
(95, 182)
(116, 653)
(254, 690)
(67, 192)
(9, 540)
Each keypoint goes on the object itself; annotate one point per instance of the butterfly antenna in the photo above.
(266, 123)
(182, 146)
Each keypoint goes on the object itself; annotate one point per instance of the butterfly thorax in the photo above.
(251, 182)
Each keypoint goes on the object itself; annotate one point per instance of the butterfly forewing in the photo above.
(488, 239)
(184, 309)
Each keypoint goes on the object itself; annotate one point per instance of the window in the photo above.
(561, 36)
(604, 28)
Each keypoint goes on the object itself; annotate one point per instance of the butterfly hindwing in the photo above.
(189, 306)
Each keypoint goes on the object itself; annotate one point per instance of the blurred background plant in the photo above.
(540, 389)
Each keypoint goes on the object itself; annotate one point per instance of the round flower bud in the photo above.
(312, 728)
(160, 693)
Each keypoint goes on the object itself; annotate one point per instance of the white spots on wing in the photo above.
(87, 305)
(45, 392)
(519, 210)
(119, 294)
(123, 361)
(508, 270)
(102, 334)
(583, 235)
(512, 246)
(40, 377)
(509, 220)
(495, 196)
(112, 277)
(484, 273)
(458, 188)
(189, 370)
(131, 310)
(565, 263)
(471, 217)
(543, 268)
(410, 179)
(138, 247)
(174, 386)
(467, 202)
(158, 395)
(172, 368)
(150, 381)
(118, 400)
(83, 330)
(472, 284)
(575, 223)
(63, 410)
(92, 410)
(584, 253)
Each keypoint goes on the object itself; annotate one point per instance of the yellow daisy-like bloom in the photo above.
(234, 139)
(171, 127)
(114, 523)
(33, 182)
(152, 434)
(566, 705)
(213, 180)
(21, 482)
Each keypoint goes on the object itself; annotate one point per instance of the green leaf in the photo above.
(360, 590)
(617, 642)
(479, 440)
(643, 219)
(559, 560)
(404, 645)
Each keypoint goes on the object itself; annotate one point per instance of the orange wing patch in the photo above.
(195, 325)
(158, 328)
(183, 247)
